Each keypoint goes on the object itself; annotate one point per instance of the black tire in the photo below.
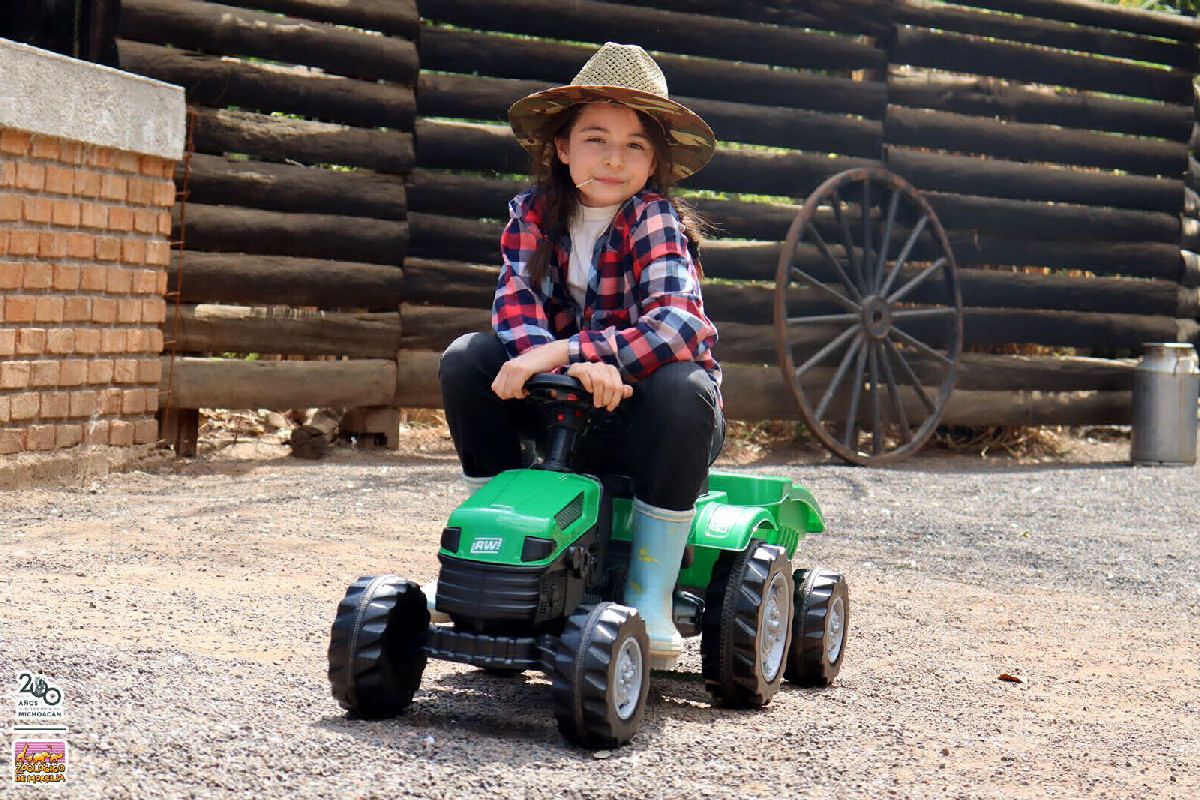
(737, 617)
(589, 704)
(376, 653)
(821, 627)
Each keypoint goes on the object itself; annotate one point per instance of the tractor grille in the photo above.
(570, 513)
(488, 594)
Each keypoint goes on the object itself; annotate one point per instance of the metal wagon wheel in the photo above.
(868, 316)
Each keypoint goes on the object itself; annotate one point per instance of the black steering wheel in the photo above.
(569, 412)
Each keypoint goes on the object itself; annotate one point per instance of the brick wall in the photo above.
(84, 247)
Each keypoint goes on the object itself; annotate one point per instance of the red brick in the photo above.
(164, 223)
(72, 153)
(125, 371)
(68, 435)
(12, 440)
(101, 157)
(38, 276)
(156, 341)
(66, 212)
(158, 253)
(81, 246)
(133, 401)
(31, 176)
(52, 244)
(100, 371)
(87, 183)
(49, 309)
(164, 194)
(120, 281)
(25, 406)
(145, 431)
(136, 343)
(31, 341)
(127, 162)
(110, 401)
(45, 147)
(8, 174)
(83, 404)
(77, 309)
(93, 215)
(14, 142)
(133, 251)
(120, 433)
(145, 221)
(72, 372)
(60, 180)
(14, 374)
(60, 341)
(4, 241)
(151, 400)
(56, 405)
(10, 207)
(43, 372)
(112, 187)
(66, 279)
(129, 311)
(154, 311)
(141, 192)
(40, 437)
(112, 340)
(10, 275)
(150, 166)
(23, 243)
(5, 410)
(108, 248)
(162, 283)
(19, 308)
(93, 279)
(149, 370)
(87, 340)
(8, 342)
(145, 281)
(120, 219)
(36, 209)
(96, 432)
(104, 310)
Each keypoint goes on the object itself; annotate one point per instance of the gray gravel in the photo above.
(185, 612)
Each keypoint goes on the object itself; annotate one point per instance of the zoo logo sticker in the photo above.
(37, 698)
(39, 761)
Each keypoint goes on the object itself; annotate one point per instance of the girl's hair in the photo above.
(561, 198)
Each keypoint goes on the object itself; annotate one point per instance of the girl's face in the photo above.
(608, 144)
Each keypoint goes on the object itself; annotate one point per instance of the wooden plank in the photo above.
(280, 139)
(655, 29)
(978, 56)
(393, 17)
(227, 30)
(996, 178)
(990, 97)
(216, 82)
(472, 97)
(242, 329)
(245, 279)
(1086, 12)
(872, 17)
(1020, 141)
(279, 385)
(217, 180)
(1048, 33)
(474, 52)
(229, 229)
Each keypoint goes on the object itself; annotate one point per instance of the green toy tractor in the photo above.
(532, 574)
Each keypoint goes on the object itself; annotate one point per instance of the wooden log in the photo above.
(453, 283)
(1083, 12)
(392, 17)
(978, 56)
(996, 178)
(279, 385)
(212, 81)
(313, 439)
(229, 229)
(654, 29)
(282, 139)
(473, 52)
(1028, 142)
(219, 28)
(245, 279)
(990, 97)
(180, 429)
(473, 97)
(216, 180)
(469, 146)
(241, 329)
(873, 17)
(1047, 33)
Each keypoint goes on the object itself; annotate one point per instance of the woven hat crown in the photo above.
(624, 65)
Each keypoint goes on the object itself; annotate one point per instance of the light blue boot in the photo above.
(430, 589)
(659, 538)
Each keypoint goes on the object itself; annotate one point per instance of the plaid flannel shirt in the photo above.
(643, 306)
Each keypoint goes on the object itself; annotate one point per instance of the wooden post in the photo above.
(180, 429)
(373, 426)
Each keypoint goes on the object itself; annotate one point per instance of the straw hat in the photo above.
(626, 74)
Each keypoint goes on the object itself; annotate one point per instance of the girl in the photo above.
(601, 276)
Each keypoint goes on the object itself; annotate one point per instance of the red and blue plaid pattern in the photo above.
(643, 306)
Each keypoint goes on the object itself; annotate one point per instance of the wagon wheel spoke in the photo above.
(850, 437)
(851, 288)
(893, 392)
(896, 296)
(842, 300)
(823, 406)
(824, 319)
(924, 348)
(913, 380)
(848, 241)
(920, 313)
(893, 204)
(868, 278)
(824, 352)
(876, 413)
(905, 251)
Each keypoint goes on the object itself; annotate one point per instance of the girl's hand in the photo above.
(603, 381)
(510, 381)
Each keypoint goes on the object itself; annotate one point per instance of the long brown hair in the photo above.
(561, 198)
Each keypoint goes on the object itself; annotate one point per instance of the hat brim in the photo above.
(689, 138)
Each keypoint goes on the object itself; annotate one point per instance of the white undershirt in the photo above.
(586, 228)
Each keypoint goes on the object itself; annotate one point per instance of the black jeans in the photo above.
(673, 430)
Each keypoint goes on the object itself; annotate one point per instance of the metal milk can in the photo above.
(1165, 388)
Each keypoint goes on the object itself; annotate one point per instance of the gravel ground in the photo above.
(184, 611)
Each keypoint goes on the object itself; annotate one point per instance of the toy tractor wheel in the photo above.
(601, 675)
(747, 626)
(375, 647)
(820, 628)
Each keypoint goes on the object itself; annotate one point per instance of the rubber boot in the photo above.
(659, 538)
(430, 589)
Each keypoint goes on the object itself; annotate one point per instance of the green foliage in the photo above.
(1188, 7)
